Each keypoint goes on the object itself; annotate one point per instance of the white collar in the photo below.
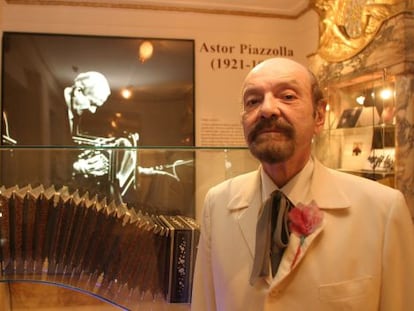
(296, 189)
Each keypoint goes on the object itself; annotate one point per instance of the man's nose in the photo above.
(270, 107)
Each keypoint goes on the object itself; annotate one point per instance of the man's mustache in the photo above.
(271, 124)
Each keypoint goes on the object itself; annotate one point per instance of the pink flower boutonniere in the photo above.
(303, 220)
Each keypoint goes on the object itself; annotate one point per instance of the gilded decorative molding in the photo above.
(175, 7)
(348, 26)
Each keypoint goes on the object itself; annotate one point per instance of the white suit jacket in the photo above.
(361, 257)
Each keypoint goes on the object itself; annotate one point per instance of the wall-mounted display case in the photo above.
(359, 133)
(384, 63)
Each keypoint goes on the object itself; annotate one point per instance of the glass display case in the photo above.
(384, 62)
(132, 251)
(359, 133)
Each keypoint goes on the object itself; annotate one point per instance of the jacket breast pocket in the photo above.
(357, 294)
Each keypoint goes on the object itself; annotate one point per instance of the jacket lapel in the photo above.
(328, 195)
(245, 206)
(294, 253)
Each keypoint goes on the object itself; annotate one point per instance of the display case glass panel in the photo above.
(134, 256)
(359, 133)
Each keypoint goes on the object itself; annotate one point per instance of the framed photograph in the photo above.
(356, 147)
(349, 117)
(109, 96)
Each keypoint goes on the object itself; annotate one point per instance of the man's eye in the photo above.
(78, 89)
(251, 102)
(288, 96)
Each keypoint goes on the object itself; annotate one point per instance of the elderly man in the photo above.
(89, 91)
(337, 241)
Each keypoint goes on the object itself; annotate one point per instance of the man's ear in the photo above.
(320, 112)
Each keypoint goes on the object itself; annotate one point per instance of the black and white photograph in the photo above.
(110, 101)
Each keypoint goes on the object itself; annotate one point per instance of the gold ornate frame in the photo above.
(348, 26)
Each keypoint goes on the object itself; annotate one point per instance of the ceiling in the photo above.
(264, 8)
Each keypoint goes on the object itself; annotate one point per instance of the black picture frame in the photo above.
(36, 70)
